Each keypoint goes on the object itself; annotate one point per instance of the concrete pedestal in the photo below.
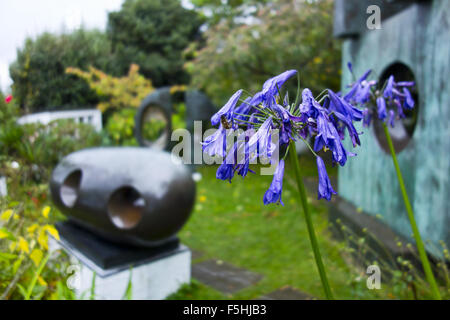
(152, 277)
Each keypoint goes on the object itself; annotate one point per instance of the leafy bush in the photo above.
(40, 81)
(285, 35)
(120, 127)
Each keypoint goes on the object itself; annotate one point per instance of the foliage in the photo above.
(50, 143)
(25, 269)
(116, 93)
(153, 34)
(40, 81)
(37, 148)
(284, 35)
(405, 280)
(120, 127)
(218, 10)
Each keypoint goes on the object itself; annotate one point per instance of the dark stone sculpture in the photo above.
(133, 196)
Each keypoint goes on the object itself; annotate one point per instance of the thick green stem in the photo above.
(412, 221)
(309, 223)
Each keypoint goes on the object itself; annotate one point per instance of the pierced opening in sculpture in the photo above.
(402, 132)
(125, 207)
(155, 129)
(70, 188)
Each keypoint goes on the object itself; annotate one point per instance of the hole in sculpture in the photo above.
(402, 132)
(125, 207)
(70, 188)
(155, 127)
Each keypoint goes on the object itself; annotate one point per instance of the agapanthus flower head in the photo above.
(266, 113)
(387, 104)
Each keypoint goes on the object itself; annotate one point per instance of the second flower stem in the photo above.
(309, 223)
(419, 243)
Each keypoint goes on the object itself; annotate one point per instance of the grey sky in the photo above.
(22, 18)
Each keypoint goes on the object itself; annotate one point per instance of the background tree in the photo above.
(40, 80)
(153, 34)
(286, 34)
(218, 10)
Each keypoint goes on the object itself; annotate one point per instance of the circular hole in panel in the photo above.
(70, 188)
(125, 207)
(402, 132)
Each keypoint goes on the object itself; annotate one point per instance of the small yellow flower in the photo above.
(23, 245)
(12, 246)
(46, 211)
(202, 198)
(6, 215)
(16, 216)
(36, 255)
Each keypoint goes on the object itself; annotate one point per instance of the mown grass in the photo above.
(230, 223)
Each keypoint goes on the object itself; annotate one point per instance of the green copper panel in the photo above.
(419, 37)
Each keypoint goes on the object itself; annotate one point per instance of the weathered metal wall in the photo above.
(419, 37)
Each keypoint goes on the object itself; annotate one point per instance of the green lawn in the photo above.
(230, 223)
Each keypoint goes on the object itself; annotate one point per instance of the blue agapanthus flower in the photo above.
(325, 118)
(387, 103)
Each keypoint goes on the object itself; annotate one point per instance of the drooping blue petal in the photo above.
(227, 109)
(409, 101)
(346, 113)
(325, 190)
(350, 66)
(405, 83)
(340, 105)
(215, 144)
(365, 75)
(329, 137)
(225, 172)
(390, 85)
(261, 141)
(381, 108)
(271, 86)
(273, 194)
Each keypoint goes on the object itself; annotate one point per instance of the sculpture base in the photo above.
(155, 272)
